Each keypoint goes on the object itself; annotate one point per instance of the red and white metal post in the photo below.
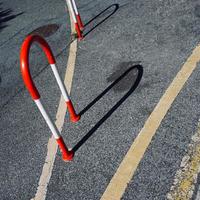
(78, 17)
(77, 21)
(24, 65)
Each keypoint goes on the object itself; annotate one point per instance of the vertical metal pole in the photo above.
(70, 6)
(78, 17)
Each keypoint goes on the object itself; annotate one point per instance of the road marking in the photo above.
(129, 164)
(186, 176)
(60, 116)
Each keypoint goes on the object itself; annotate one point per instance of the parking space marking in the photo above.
(130, 162)
(60, 116)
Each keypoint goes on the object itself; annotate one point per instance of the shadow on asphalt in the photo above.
(5, 16)
(115, 107)
(46, 30)
(115, 6)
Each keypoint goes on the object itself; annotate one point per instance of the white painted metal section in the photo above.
(70, 6)
(48, 120)
(60, 83)
(75, 7)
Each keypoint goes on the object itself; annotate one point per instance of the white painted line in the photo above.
(129, 164)
(60, 116)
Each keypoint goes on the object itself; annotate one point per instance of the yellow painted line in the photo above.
(60, 116)
(186, 176)
(129, 164)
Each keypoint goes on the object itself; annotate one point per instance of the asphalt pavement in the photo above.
(156, 36)
(130, 54)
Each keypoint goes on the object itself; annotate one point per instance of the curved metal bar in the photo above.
(24, 62)
(24, 65)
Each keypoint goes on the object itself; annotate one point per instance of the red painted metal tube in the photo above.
(24, 65)
(77, 21)
(24, 62)
(66, 154)
(78, 17)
